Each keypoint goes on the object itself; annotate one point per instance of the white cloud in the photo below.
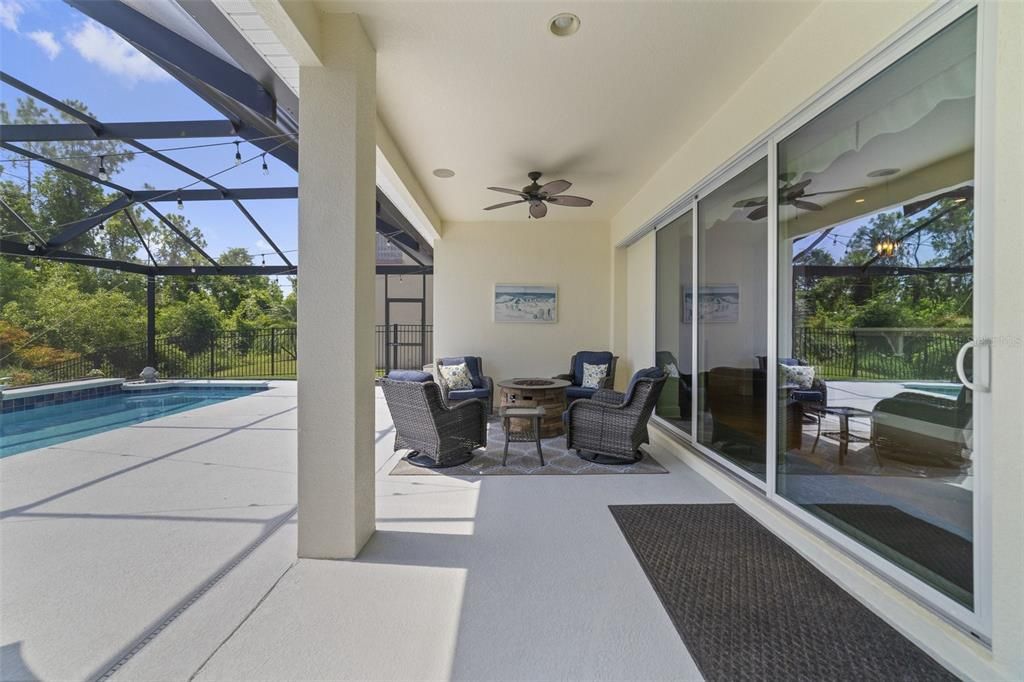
(46, 42)
(101, 46)
(10, 10)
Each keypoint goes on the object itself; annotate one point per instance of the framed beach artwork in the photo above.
(718, 303)
(530, 303)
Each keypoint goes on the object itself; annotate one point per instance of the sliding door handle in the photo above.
(960, 365)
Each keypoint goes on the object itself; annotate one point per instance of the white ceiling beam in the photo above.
(296, 23)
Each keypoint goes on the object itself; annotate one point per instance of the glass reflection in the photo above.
(876, 248)
(674, 334)
(732, 318)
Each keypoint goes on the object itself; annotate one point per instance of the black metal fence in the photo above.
(881, 353)
(404, 346)
(256, 353)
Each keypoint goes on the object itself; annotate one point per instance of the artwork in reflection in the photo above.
(525, 303)
(718, 303)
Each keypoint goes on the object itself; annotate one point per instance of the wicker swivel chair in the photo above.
(483, 386)
(610, 427)
(439, 436)
(574, 376)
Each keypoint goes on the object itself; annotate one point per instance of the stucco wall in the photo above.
(640, 274)
(473, 257)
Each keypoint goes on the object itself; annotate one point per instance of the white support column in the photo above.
(337, 157)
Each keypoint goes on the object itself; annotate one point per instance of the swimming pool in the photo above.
(937, 388)
(52, 424)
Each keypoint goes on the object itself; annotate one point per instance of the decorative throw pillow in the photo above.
(593, 375)
(456, 376)
(801, 375)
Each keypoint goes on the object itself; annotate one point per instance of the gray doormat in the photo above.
(749, 607)
(523, 461)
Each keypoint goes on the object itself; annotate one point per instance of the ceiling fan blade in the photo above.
(555, 187)
(508, 191)
(797, 189)
(504, 204)
(538, 209)
(569, 200)
(806, 205)
(832, 191)
(751, 202)
(758, 213)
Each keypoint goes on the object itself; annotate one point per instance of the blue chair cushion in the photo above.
(469, 394)
(409, 375)
(591, 357)
(647, 373)
(577, 392)
(472, 364)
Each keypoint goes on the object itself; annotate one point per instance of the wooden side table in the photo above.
(531, 415)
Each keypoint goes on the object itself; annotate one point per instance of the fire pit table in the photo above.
(536, 392)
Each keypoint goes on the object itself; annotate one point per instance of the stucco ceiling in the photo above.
(484, 88)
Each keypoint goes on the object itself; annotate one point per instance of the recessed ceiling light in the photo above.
(858, 201)
(883, 172)
(444, 172)
(564, 24)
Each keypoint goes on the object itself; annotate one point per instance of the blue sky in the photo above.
(57, 50)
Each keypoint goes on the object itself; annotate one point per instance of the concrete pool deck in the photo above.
(166, 550)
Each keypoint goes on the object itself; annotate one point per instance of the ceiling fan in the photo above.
(793, 194)
(536, 194)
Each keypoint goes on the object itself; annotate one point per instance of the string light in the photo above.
(102, 173)
(266, 168)
(89, 157)
(263, 259)
(238, 155)
(181, 204)
(102, 227)
(31, 247)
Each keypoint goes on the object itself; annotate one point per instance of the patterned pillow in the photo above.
(593, 375)
(800, 375)
(456, 376)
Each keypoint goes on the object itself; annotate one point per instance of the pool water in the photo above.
(43, 426)
(947, 390)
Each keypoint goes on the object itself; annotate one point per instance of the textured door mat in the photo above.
(523, 461)
(946, 554)
(748, 607)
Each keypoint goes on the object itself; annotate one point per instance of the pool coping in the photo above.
(137, 386)
(62, 387)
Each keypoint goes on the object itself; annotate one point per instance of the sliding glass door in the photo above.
(729, 307)
(875, 300)
(870, 283)
(674, 329)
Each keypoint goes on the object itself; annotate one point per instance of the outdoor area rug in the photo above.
(749, 607)
(523, 460)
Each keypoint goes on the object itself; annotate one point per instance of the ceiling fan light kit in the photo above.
(539, 196)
